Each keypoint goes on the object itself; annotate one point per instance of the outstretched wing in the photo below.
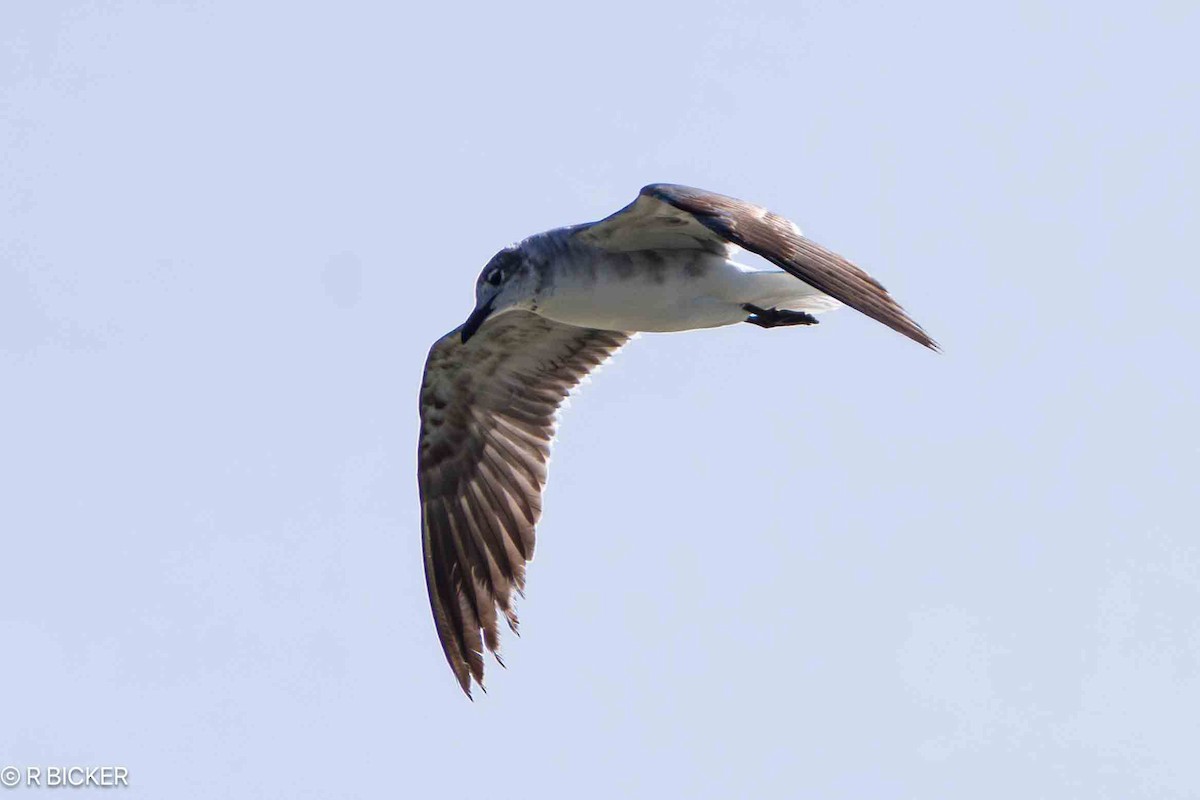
(487, 418)
(666, 216)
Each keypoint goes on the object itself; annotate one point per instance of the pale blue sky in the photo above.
(792, 563)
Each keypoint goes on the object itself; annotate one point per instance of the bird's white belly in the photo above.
(672, 297)
(641, 305)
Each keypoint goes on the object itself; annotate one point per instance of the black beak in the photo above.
(476, 319)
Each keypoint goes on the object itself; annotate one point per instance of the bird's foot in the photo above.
(777, 317)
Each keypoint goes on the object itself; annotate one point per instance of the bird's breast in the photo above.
(651, 290)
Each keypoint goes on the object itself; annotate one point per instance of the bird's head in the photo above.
(506, 283)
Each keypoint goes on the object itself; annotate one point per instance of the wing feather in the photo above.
(668, 216)
(778, 240)
(487, 418)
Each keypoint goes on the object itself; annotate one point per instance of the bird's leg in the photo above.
(777, 317)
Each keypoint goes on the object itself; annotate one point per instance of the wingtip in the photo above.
(923, 338)
(907, 326)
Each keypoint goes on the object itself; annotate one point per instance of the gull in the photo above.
(549, 310)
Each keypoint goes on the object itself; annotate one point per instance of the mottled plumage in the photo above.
(548, 311)
(487, 418)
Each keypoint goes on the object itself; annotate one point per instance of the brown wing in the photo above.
(487, 418)
(668, 216)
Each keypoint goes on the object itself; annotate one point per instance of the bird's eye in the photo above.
(495, 277)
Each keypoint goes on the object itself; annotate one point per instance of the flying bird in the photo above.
(549, 310)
